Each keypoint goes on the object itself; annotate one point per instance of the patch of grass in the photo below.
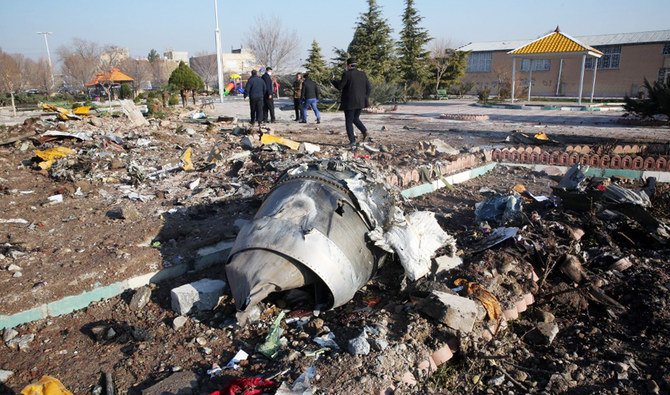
(443, 376)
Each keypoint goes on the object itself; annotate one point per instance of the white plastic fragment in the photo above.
(239, 357)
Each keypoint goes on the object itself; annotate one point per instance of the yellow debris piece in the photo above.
(185, 158)
(519, 188)
(542, 136)
(83, 110)
(486, 298)
(46, 386)
(270, 138)
(48, 156)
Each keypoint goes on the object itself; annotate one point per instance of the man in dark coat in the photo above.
(355, 88)
(297, 90)
(310, 98)
(269, 102)
(257, 91)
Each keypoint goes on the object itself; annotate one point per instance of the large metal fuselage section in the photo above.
(309, 230)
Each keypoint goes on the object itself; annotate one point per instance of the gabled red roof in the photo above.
(115, 75)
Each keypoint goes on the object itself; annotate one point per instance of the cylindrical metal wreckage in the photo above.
(311, 230)
(328, 224)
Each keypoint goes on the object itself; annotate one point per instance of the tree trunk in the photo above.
(193, 92)
(182, 93)
(13, 104)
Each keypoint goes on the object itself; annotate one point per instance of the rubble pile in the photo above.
(513, 282)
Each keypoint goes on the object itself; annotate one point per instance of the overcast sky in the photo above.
(188, 25)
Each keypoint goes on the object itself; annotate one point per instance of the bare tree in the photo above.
(80, 61)
(112, 56)
(205, 66)
(40, 76)
(439, 59)
(272, 44)
(10, 75)
(139, 69)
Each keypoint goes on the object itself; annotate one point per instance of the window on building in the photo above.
(666, 49)
(610, 59)
(479, 62)
(538, 64)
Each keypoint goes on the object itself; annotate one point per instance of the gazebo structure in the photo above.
(108, 80)
(555, 44)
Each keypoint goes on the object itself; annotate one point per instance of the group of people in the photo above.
(260, 91)
(354, 88)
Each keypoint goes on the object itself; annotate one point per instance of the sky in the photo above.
(188, 25)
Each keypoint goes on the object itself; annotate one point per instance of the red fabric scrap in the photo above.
(246, 386)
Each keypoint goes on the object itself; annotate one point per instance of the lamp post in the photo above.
(217, 40)
(46, 42)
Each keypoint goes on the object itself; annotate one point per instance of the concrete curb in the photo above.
(457, 178)
(206, 257)
(661, 176)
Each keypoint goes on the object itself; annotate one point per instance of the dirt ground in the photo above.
(128, 209)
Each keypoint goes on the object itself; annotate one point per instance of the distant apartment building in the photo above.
(177, 56)
(627, 59)
(238, 61)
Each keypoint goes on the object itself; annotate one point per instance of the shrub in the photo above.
(461, 89)
(174, 99)
(483, 95)
(384, 93)
(656, 102)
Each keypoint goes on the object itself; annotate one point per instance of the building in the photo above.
(238, 61)
(176, 56)
(627, 59)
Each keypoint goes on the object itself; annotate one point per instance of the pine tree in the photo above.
(316, 65)
(372, 45)
(184, 79)
(413, 57)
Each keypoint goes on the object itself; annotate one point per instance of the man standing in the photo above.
(257, 92)
(310, 97)
(297, 91)
(269, 102)
(355, 88)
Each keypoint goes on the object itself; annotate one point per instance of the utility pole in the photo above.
(51, 70)
(217, 40)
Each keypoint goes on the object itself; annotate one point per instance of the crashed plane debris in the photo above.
(330, 225)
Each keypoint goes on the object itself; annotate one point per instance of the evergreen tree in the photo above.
(413, 57)
(153, 56)
(316, 65)
(184, 79)
(372, 45)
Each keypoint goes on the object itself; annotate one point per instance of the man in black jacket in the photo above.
(355, 88)
(257, 91)
(269, 103)
(310, 97)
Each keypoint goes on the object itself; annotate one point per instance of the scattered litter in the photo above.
(270, 139)
(487, 299)
(47, 385)
(301, 385)
(56, 133)
(55, 199)
(234, 362)
(185, 159)
(19, 221)
(497, 236)
(327, 341)
(499, 208)
(246, 386)
(574, 178)
(272, 343)
(49, 156)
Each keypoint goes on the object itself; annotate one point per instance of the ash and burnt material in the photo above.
(312, 230)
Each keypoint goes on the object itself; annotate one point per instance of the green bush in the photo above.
(174, 99)
(385, 93)
(461, 89)
(483, 94)
(656, 102)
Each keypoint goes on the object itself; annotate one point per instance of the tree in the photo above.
(205, 66)
(153, 56)
(112, 56)
(447, 65)
(10, 76)
(80, 62)
(184, 79)
(372, 45)
(316, 65)
(139, 69)
(413, 58)
(272, 45)
(657, 101)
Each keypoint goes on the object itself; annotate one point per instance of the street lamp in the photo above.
(46, 42)
(217, 40)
